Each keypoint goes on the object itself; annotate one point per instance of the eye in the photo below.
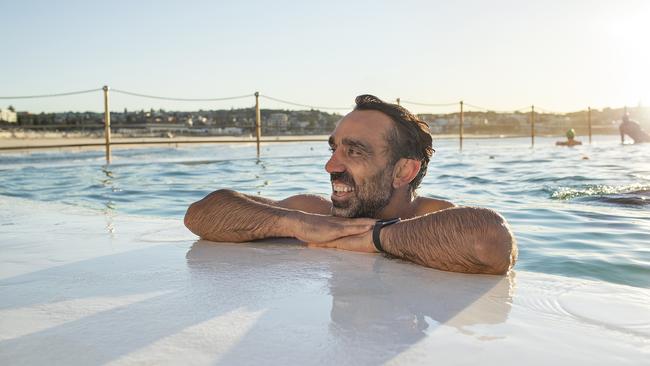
(352, 151)
(332, 149)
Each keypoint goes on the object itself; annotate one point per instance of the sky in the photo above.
(500, 54)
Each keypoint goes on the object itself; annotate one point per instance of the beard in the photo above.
(367, 200)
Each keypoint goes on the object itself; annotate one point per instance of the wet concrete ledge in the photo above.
(83, 287)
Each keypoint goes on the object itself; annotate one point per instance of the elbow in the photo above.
(197, 216)
(496, 250)
(192, 219)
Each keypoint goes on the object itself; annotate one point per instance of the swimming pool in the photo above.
(580, 212)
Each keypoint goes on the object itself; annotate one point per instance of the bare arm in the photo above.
(459, 239)
(226, 215)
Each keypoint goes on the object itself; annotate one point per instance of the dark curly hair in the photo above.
(410, 139)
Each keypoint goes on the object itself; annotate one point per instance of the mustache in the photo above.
(342, 177)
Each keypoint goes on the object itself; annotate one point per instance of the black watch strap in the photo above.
(376, 230)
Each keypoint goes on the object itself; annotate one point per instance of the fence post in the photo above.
(460, 127)
(107, 125)
(589, 122)
(532, 126)
(258, 122)
(398, 101)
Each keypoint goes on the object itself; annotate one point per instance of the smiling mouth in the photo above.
(341, 190)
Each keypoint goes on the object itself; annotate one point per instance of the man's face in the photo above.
(362, 178)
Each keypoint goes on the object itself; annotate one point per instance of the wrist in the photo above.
(287, 223)
(294, 223)
(386, 238)
(377, 231)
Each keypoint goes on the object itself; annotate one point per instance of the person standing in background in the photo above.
(633, 129)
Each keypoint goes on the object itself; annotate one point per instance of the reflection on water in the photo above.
(368, 303)
(572, 216)
(108, 182)
(109, 206)
(390, 297)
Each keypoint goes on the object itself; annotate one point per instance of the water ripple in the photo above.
(571, 216)
(633, 195)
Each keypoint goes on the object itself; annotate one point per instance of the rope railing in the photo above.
(53, 95)
(279, 100)
(464, 107)
(177, 99)
(546, 111)
(428, 104)
(484, 109)
(303, 105)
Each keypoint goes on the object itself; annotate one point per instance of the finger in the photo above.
(327, 244)
(352, 221)
(358, 243)
(355, 229)
(364, 221)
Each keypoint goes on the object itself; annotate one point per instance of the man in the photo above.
(380, 153)
(632, 129)
(570, 139)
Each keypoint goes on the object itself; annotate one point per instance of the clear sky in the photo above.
(501, 54)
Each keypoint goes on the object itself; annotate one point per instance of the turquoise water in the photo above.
(580, 212)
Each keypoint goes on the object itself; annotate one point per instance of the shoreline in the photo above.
(52, 140)
(8, 144)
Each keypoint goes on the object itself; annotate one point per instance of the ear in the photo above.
(405, 171)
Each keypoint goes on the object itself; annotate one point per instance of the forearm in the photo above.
(226, 215)
(461, 239)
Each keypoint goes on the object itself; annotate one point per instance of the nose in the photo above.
(334, 164)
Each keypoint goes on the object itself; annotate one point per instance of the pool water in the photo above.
(580, 212)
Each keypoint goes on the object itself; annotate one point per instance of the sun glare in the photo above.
(628, 38)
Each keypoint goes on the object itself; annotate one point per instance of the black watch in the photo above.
(380, 224)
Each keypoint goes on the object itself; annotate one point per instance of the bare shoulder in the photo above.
(307, 202)
(424, 205)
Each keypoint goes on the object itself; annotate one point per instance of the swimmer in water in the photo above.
(570, 139)
(380, 153)
(633, 129)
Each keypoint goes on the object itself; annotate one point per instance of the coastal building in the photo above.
(8, 115)
(279, 120)
(436, 123)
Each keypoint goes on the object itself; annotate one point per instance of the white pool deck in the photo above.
(80, 287)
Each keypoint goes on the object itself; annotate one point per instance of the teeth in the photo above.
(341, 188)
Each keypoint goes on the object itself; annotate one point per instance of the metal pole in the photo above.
(258, 123)
(107, 125)
(398, 101)
(532, 126)
(460, 127)
(589, 122)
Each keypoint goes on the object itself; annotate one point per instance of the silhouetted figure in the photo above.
(633, 129)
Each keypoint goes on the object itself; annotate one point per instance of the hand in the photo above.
(312, 228)
(358, 243)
